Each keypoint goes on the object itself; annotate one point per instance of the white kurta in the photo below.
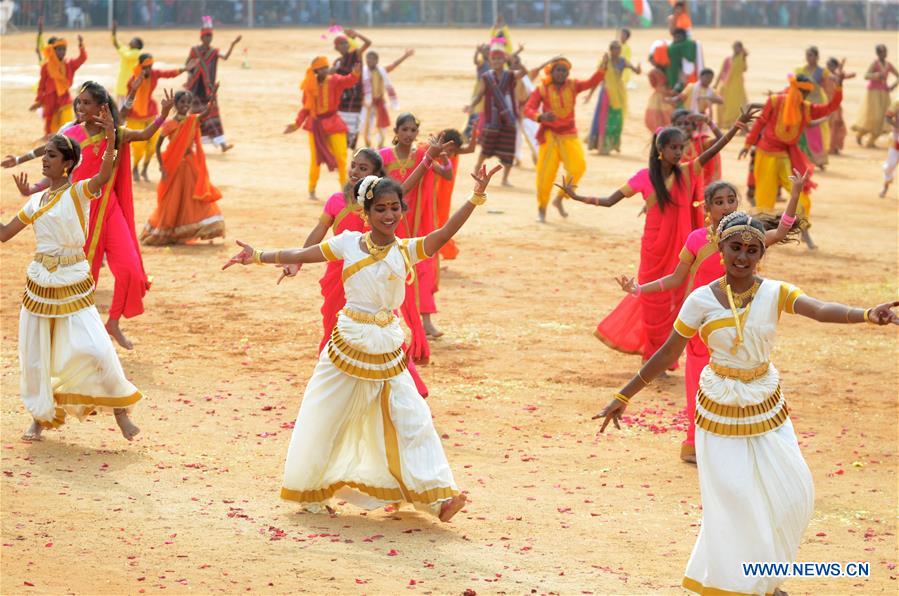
(756, 489)
(363, 433)
(68, 363)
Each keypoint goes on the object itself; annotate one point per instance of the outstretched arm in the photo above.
(95, 184)
(746, 115)
(129, 136)
(673, 280)
(400, 60)
(798, 181)
(436, 239)
(568, 188)
(292, 256)
(314, 238)
(366, 42)
(15, 225)
(230, 48)
(11, 160)
(115, 42)
(834, 312)
(655, 366)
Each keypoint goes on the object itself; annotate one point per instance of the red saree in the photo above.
(640, 325)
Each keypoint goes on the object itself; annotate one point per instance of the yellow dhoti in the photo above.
(337, 144)
(142, 150)
(772, 171)
(556, 149)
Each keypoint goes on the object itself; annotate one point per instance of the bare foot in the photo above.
(883, 193)
(143, 175)
(128, 428)
(113, 329)
(807, 238)
(557, 203)
(226, 147)
(34, 432)
(507, 183)
(452, 507)
(430, 329)
(135, 175)
(541, 215)
(312, 196)
(779, 592)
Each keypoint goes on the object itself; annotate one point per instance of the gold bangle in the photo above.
(477, 198)
(868, 318)
(257, 256)
(645, 382)
(623, 398)
(277, 257)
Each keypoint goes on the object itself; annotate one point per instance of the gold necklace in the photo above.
(743, 297)
(405, 164)
(52, 194)
(375, 250)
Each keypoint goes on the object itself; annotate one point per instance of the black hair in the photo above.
(681, 32)
(833, 60)
(143, 57)
(381, 187)
(100, 95)
(803, 79)
(372, 53)
(69, 149)
(451, 134)
(403, 118)
(181, 93)
(706, 71)
(813, 50)
(53, 39)
(714, 187)
(374, 158)
(139, 43)
(679, 113)
(880, 46)
(659, 141)
(626, 30)
(765, 222)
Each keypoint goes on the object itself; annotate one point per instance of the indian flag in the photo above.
(640, 8)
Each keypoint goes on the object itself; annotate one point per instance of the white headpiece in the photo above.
(367, 188)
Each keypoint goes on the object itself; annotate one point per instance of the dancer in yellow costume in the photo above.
(552, 105)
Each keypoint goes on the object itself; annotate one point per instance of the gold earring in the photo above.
(65, 171)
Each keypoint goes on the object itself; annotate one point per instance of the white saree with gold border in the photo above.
(756, 489)
(364, 434)
(67, 360)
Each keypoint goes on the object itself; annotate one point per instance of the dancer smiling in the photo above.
(363, 435)
(756, 489)
(68, 363)
(700, 264)
(671, 190)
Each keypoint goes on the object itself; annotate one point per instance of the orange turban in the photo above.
(56, 68)
(309, 86)
(548, 69)
(791, 113)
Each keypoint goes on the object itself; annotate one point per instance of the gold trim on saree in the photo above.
(734, 427)
(387, 495)
(695, 586)
(76, 399)
(62, 292)
(43, 309)
(350, 360)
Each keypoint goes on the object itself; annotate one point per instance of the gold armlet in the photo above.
(868, 318)
(645, 382)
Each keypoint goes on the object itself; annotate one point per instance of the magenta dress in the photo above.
(705, 267)
(110, 230)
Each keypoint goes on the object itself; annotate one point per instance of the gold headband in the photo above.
(746, 231)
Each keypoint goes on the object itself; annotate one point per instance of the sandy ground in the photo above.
(192, 505)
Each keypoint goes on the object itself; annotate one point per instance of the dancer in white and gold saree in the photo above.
(364, 435)
(67, 360)
(756, 489)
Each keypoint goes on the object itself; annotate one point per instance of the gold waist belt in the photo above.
(50, 263)
(382, 318)
(741, 374)
(734, 421)
(359, 364)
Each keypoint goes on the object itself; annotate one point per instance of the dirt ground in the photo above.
(192, 505)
